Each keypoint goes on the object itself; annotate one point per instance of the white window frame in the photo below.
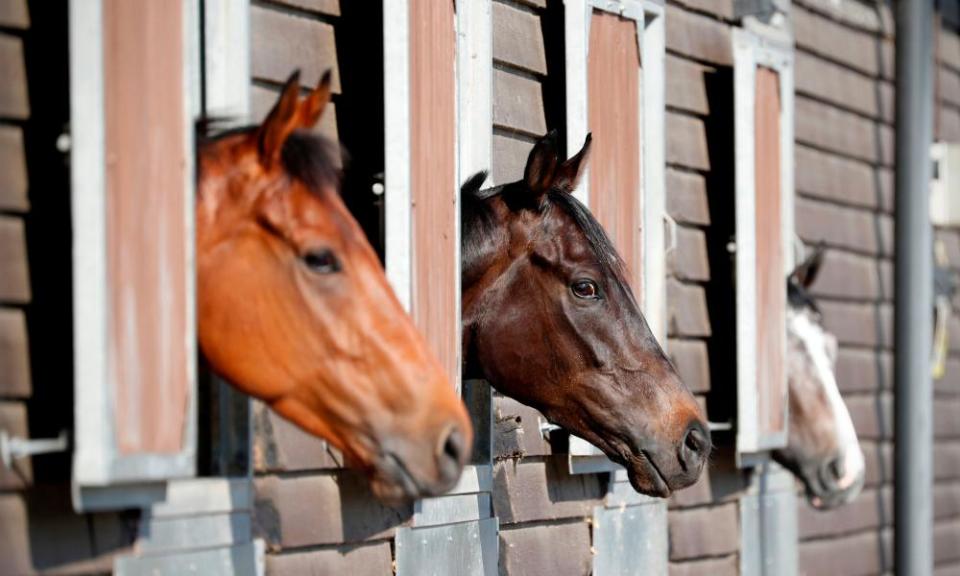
(758, 45)
(651, 37)
(97, 462)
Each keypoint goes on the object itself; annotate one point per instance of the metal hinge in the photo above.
(12, 448)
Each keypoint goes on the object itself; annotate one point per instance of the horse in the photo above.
(822, 448)
(550, 320)
(294, 308)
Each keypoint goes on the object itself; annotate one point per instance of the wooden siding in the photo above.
(614, 120)
(147, 235)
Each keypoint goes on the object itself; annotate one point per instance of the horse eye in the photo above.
(322, 261)
(586, 289)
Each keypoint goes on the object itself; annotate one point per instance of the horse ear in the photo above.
(570, 172)
(542, 165)
(312, 108)
(806, 272)
(282, 120)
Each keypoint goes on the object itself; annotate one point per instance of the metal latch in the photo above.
(12, 448)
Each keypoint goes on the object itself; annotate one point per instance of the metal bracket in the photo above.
(12, 448)
(546, 428)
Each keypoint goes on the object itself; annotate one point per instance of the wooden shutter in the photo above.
(132, 107)
(764, 233)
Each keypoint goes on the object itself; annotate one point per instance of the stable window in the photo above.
(615, 90)
(132, 194)
(763, 108)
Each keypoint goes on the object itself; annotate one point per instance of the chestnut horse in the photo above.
(549, 319)
(822, 449)
(294, 307)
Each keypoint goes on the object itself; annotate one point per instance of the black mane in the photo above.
(476, 221)
(310, 158)
(798, 297)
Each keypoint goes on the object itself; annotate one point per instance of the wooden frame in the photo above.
(651, 277)
(113, 446)
(763, 61)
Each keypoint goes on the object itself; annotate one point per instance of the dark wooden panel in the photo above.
(864, 370)
(322, 509)
(281, 43)
(687, 142)
(844, 87)
(687, 197)
(857, 555)
(518, 104)
(366, 560)
(871, 509)
(846, 133)
(13, 89)
(147, 248)
(692, 362)
(546, 550)
(726, 566)
(700, 532)
(686, 85)
(13, 13)
(518, 39)
(433, 178)
(849, 228)
(15, 379)
(329, 7)
(698, 37)
(859, 324)
(543, 490)
(843, 180)
(13, 420)
(858, 50)
(689, 260)
(279, 445)
(614, 118)
(509, 157)
(13, 170)
(687, 310)
(14, 277)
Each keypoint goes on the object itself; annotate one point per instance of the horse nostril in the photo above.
(451, 453)
(696, 446)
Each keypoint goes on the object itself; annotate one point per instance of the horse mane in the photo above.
(476, 221)
(311, 158)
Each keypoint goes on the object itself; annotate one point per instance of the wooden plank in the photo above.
(328, 7)
(518, 38)
(872, 415)
(14, 274)
(13, 90)
(949, 49)
(842, 180)
(687, 142)
(949, 85)
(859, 324)
(849, 228)
(14, 14)
(946, 460)
(726, 566)
(863, 370)
(147, 238)
(950, 124)
(15, 381)
(282, 43)
(856, 555)
(700, 532)
(692, 361)
(546, 550)
(687, 310)
(689, 261)
(433, 178)
(614, 120)
(870, 510)
(13, 170)
(946, 535)
(687, 85)
(946, 423)
(509, 157)
(845, 133)
(861, 51)
(843, 87)
(13, 420)
(543, 490)
(869, 18)
(341, 510)
(365, 560)
(878, 460)
(946, 500)
(279, 445)
(849, 276)
(721, 8)
(518, 104)
(698, 37)
(687, 197)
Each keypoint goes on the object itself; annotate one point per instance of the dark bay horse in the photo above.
(549, 319)
(822, 449)
(294, 308)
